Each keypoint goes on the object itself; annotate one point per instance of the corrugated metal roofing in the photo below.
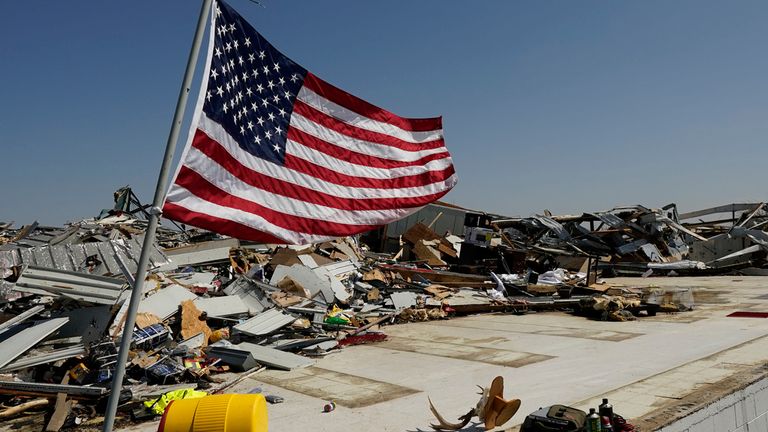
(79, 286)
(221, 306)
(20, 317)
(72, 257)
(252, 293)
(265, 323)
(18, 343)
(49, 357)
(334, 273)
(200, 253)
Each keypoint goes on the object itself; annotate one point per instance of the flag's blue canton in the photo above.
(251, 86)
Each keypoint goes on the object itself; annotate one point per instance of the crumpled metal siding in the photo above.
(79, 286)
(72, 257)
(265, 322)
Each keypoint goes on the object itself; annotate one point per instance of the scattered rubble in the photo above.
(216, 309)
(636, 240)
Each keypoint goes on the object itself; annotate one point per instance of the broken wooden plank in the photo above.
(61, 409)
(284, 299)
(419, 232)
(429, 254)
(442, 277)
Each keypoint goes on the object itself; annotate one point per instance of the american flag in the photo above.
(275, 154)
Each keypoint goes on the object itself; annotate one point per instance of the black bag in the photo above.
(556, 418)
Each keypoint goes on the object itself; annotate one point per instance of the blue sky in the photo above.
(562, 105)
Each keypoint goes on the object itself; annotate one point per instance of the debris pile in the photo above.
(215, 310)
(734, 237)
(622, 240)
(636, 240)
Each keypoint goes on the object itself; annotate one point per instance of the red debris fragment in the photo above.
(362, 339)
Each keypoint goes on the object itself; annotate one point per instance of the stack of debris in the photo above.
(428, 247)
(637, 240)
(216, 308)
(735, 237)
(625, 240)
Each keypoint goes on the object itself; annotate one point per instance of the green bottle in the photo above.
(593, 422)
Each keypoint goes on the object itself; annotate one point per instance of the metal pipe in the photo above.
(154, 219)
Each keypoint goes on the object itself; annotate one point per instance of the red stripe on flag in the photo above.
(366, 109)
(339, 126)
(217, 153)
(219, 225)
(355, 157)
(207, 191)
(329, 175)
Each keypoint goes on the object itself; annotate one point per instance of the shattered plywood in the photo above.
(427, 252)
(191, 322)
(419, 232)
(422, 238)
(146, 319)
(284, 299)
(284, 257)
(290, 286)
(439, 292)
(376, 274)
(348, 247)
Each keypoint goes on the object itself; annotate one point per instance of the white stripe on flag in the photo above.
(344, 167)
(334, 110)
(217, 133)
(383, 151)
(191, 202)
(226, 181)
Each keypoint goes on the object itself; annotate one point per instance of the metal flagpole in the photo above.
(154, 219)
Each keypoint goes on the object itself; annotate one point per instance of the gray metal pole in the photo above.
(154, 220)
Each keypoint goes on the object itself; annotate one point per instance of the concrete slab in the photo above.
(644, 367)
(463, 349)
(346, 390)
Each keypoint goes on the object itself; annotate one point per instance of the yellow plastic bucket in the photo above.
(217, 413)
